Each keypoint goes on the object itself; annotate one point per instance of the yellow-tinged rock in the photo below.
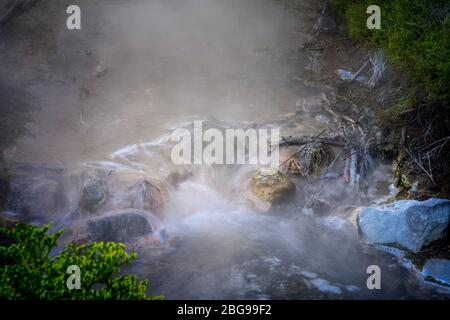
(271, 186)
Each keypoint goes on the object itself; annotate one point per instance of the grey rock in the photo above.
(410, 224)
(438, 270)
(94, 195)
(119, 226)
(34, 195)
(137, 191)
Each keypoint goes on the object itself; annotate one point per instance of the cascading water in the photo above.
(225, 249)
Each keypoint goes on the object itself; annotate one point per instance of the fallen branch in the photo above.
(357, 73)
(418, 162)
(302, 140)
(301, 149)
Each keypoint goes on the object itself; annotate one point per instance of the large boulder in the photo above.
(34, 195)
(437, 270)
(271, 186)
(93, 195)
(119, 226)
(410, 224)
(129, 189)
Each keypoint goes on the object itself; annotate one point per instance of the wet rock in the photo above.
(119, 226)
(408, 223)
(318, 204)
(93, 195)
(80, 235)
(437, 270)
(34, 195)
(249, 199)
(271, 186)
(7, 221)
(128, 189)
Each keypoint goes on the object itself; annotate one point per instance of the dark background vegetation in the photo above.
(415, 35)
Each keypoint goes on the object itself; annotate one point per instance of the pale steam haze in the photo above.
(106, 99)
(163, 62)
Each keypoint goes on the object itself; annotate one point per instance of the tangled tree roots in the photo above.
(314, 156)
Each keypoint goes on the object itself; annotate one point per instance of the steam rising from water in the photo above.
(138, 65)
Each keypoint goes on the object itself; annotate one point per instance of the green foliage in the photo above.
(37, 273)
(415, 35)
(357, 28)
(407, 102)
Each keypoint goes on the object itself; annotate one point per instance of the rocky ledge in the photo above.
(414, 226)
(409, 224)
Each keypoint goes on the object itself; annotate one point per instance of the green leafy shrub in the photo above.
(35, 272)
(415, 35)
(357, 27)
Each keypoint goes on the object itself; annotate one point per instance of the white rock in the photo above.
(409, 223)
